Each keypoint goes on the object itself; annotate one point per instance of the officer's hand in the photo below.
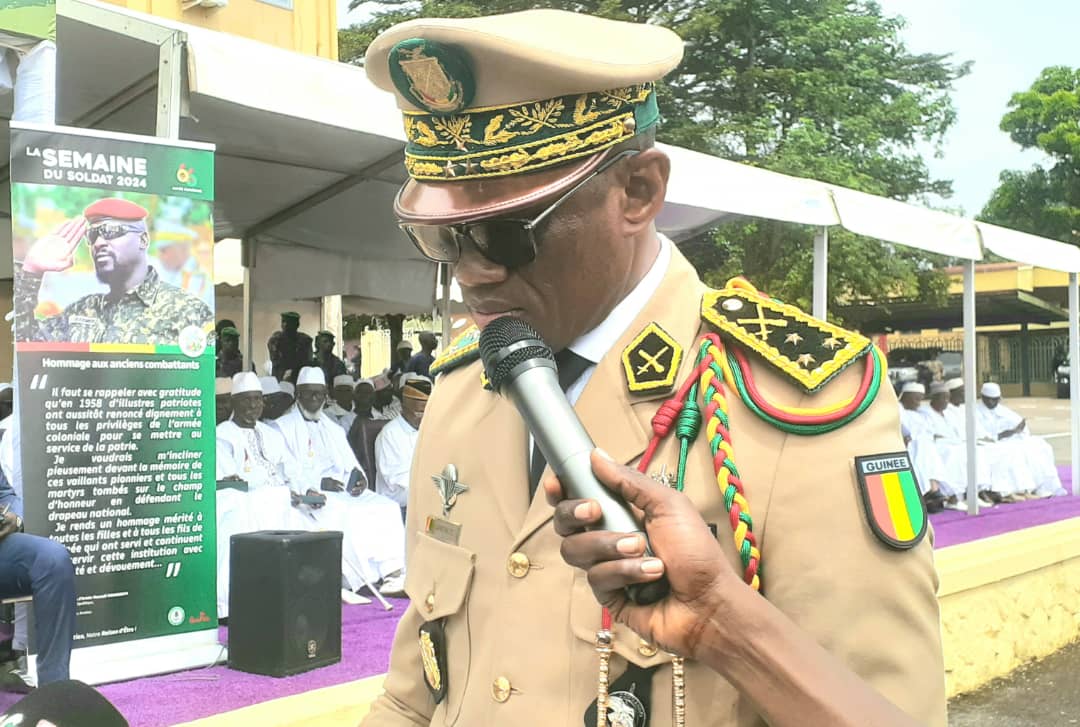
(8, 525)
(696, 568)
(54, 252)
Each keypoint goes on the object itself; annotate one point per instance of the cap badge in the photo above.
(433, 76)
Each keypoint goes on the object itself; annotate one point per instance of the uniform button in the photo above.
(429, 603)
(500, 689)
(518, 565)
(646, 649)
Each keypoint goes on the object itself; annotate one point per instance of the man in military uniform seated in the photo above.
(533, 171)
(139, 307)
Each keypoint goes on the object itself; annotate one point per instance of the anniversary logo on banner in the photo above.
(113, 299)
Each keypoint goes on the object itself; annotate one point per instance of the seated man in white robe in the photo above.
(275, 400)
(253, 478)
(1011, 433)
(949, 442)
(386, 406)
(930, 471)
(954, 412)
(1000, 477)
(339, 403)
(396, 443)
(374, 534)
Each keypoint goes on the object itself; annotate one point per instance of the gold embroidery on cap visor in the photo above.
(501, 140)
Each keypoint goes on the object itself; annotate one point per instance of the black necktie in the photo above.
(571, 367)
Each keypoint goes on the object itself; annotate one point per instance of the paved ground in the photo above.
(1042, 694)
(1048, 418)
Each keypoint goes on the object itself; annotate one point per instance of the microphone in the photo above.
(520, 365)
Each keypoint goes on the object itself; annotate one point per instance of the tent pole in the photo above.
(821, 273)
(170, 80)
(447, 276)
(1074, 380)
(969, 386)
(247, 259)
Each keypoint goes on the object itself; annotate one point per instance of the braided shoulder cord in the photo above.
(716, 366)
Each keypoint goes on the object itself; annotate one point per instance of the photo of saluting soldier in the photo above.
(138, 308)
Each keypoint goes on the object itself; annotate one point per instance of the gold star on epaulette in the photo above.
(805, 349)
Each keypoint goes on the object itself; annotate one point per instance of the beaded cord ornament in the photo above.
(718, 368)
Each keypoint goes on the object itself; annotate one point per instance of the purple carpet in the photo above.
(952, 527)
(366, 634)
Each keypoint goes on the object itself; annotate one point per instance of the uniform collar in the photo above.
(597, 342)
(606, 406)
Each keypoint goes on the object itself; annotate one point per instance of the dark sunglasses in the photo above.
(507, 242)
(110, 231)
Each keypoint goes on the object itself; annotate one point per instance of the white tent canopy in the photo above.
(704, 191)
(308, 152)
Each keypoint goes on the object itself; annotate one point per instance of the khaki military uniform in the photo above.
(520, 624)
(154, 313)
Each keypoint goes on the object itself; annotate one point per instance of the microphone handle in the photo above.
(567, 447)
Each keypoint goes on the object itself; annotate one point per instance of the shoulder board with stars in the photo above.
(803, 348)
(464, 349)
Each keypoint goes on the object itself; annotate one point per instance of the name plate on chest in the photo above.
(443, 530)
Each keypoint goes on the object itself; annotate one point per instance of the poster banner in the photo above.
(113, 302)
(34, 18)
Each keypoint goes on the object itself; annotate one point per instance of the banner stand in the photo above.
(112, 238)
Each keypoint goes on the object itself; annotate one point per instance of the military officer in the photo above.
(290, 348)
(139, 307)
(768, 440)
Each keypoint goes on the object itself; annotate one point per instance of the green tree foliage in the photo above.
(1044, 200)
(815, 88)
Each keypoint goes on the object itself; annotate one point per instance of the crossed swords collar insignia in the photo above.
(651, 361)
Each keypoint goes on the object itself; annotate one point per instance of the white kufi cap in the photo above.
(913, 387)
(939, 387)
(954, 384)
(311, 375)
(244, 382)
(287, 388)
(991, 390)
(343, 380)
(269, 385)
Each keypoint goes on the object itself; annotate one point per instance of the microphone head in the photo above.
(68, 703)
(508, 342)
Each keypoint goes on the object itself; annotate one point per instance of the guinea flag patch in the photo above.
(894, 505)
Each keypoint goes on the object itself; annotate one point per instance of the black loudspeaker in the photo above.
(284, 601)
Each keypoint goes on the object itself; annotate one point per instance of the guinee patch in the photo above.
(894, 505)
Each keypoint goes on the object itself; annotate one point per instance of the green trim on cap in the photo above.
(291, 314)
(434, 76)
